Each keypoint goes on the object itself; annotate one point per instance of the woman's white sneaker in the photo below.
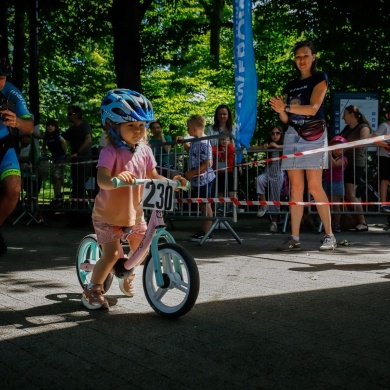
(329, 243)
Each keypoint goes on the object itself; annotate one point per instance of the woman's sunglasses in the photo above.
(275, 133)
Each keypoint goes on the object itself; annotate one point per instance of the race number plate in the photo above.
(158, 196)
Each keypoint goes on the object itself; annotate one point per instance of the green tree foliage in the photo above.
(179, 72)
(181, 51)
(352, 40)
(76, 62)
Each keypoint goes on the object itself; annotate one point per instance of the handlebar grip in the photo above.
(120, 183)
(187, 187)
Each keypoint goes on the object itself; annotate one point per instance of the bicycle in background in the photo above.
(170, 275)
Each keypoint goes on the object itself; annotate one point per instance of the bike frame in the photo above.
(156, 230)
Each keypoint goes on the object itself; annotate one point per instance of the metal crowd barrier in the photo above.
(41, 182)
(37, 196)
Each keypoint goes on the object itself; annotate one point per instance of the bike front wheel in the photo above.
(181, 281)
(88, 253)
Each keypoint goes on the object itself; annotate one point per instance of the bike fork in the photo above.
(161, 233)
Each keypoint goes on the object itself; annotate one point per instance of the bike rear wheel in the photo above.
(181, 281)
(89, 252)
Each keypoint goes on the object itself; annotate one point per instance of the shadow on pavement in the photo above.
(322, 338)
(335, 338)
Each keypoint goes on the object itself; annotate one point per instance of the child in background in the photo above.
(161, 152)
(200, 172)
(272, 177)
(334, 180)
(223, 164)
(56, 144)
(118, 213)
(384, 158)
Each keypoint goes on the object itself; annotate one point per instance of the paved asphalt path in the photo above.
(263, 320)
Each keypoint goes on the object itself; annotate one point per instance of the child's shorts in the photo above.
(109, 233)
(335, 188)
(58, 169)
(222, 182)
(202, 191)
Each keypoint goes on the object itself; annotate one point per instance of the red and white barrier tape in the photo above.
(347, 145)
(272, 203)
(237, 202)
(366, 141)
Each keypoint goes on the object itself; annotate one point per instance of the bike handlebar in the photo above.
(174, 183)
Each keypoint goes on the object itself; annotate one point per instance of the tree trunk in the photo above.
(215, 29)
(19, 44)
(126, 19)
(34, 60)
(3, 28)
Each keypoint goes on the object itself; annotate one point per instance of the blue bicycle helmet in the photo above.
(5, 66)
(125, 105)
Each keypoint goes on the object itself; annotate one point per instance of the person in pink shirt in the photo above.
(118, 213)
(334, 180)
(223, 164)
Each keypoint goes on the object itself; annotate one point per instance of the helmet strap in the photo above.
(120, 142)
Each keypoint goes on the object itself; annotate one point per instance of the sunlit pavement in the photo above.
(263, 320)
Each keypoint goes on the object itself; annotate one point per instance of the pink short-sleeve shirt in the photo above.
(122, 206)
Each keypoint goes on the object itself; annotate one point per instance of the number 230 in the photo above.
(158, 196)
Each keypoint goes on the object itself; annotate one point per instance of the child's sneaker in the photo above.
(329, 243)
(273, 227)
(290, 245)
(93, 298)
(126, 285)
(262, 211)
(199, 236)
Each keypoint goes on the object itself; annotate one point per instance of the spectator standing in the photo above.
(24, 157)
(302, 103)
(55, 144)
(223, 123)
(272, 177)
(79, 139)
(357, 128)
(384, 158)
(334, 179)
(223, 164)
(29, 158)
(200, 172)
(161, 152)
(13, 114)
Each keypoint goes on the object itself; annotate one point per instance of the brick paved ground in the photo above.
(263, 320)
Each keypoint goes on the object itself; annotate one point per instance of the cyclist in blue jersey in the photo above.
(13, 114)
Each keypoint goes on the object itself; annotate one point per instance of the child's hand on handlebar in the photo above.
(182, 180)
(127, 177)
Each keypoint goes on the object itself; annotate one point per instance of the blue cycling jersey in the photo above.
(11, 93)
(9, 164)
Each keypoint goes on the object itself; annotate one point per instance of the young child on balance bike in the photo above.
(118, 213)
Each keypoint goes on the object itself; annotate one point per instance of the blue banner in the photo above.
(244, 73)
